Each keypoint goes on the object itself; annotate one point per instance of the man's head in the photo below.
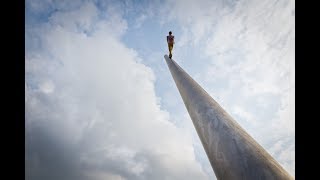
(170, 32)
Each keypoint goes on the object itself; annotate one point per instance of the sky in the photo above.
(100, 102)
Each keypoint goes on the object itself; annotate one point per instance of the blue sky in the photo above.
(101, 102)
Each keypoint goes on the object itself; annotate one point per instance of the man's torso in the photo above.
(170, 39)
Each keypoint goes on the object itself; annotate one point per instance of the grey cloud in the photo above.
(48, 158)
(91, 109)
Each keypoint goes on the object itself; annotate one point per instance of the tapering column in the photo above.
(232, 152)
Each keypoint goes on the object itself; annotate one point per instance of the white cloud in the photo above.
(284, 151)
(81, 18)
(39, 5)
(104, 175)
(140, 20)
(79, 74)
(47, 87)
(91, 109)
(286, 114)
(250, 45)
(244, 114)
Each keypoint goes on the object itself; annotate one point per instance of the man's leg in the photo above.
(170, 50)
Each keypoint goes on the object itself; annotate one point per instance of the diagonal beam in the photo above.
(232, 152)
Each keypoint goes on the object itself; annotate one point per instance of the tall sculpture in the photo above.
(232, 152)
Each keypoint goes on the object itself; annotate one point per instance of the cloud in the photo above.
(197, 18)
(140, 20)
(249, 46)
(91, 109)
(46, 87)
(38, 6)
(244, 114)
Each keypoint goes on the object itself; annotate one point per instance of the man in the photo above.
(170, 41)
